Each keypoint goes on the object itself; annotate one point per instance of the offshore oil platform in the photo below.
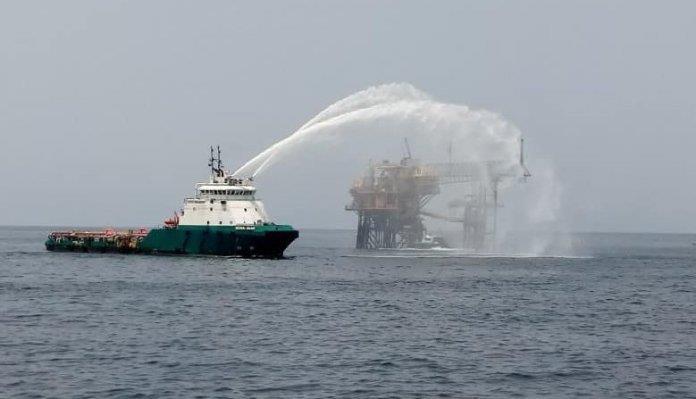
(390, 201)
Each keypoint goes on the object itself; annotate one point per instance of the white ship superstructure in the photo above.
(232, 202)
(223, 201)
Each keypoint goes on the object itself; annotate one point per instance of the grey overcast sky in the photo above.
(107, 107)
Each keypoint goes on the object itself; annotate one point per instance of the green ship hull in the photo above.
(262, 241)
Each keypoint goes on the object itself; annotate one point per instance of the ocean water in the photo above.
(331, 322)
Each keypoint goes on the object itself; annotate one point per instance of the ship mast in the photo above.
(216, 163)
(211, 161)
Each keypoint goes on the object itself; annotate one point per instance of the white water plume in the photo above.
(401, 110)
(370, 123)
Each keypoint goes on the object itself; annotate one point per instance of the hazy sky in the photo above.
(107, 108)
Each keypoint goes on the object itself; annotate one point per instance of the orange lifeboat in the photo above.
(173, 222)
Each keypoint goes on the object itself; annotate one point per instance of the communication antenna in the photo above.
(407, 148)
(525, 171)
(215, 163)
(449, 156)
(211, 161)
(219, 161)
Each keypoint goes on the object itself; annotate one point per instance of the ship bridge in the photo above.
(224, 190)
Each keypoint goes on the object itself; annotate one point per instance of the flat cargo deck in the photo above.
(125, 241)
(256, 241)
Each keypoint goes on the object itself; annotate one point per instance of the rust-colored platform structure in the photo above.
(389, 201)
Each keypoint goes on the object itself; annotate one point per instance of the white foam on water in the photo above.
(473, 256)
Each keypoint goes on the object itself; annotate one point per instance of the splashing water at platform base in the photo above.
(384, 115)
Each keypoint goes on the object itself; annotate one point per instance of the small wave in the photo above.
(289, 388)
(678, 367)
(379, 363)
(521, 376)
(27, 316)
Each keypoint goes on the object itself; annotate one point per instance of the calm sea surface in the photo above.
(332, 322)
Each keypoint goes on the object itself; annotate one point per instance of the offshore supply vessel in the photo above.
(224, 218)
